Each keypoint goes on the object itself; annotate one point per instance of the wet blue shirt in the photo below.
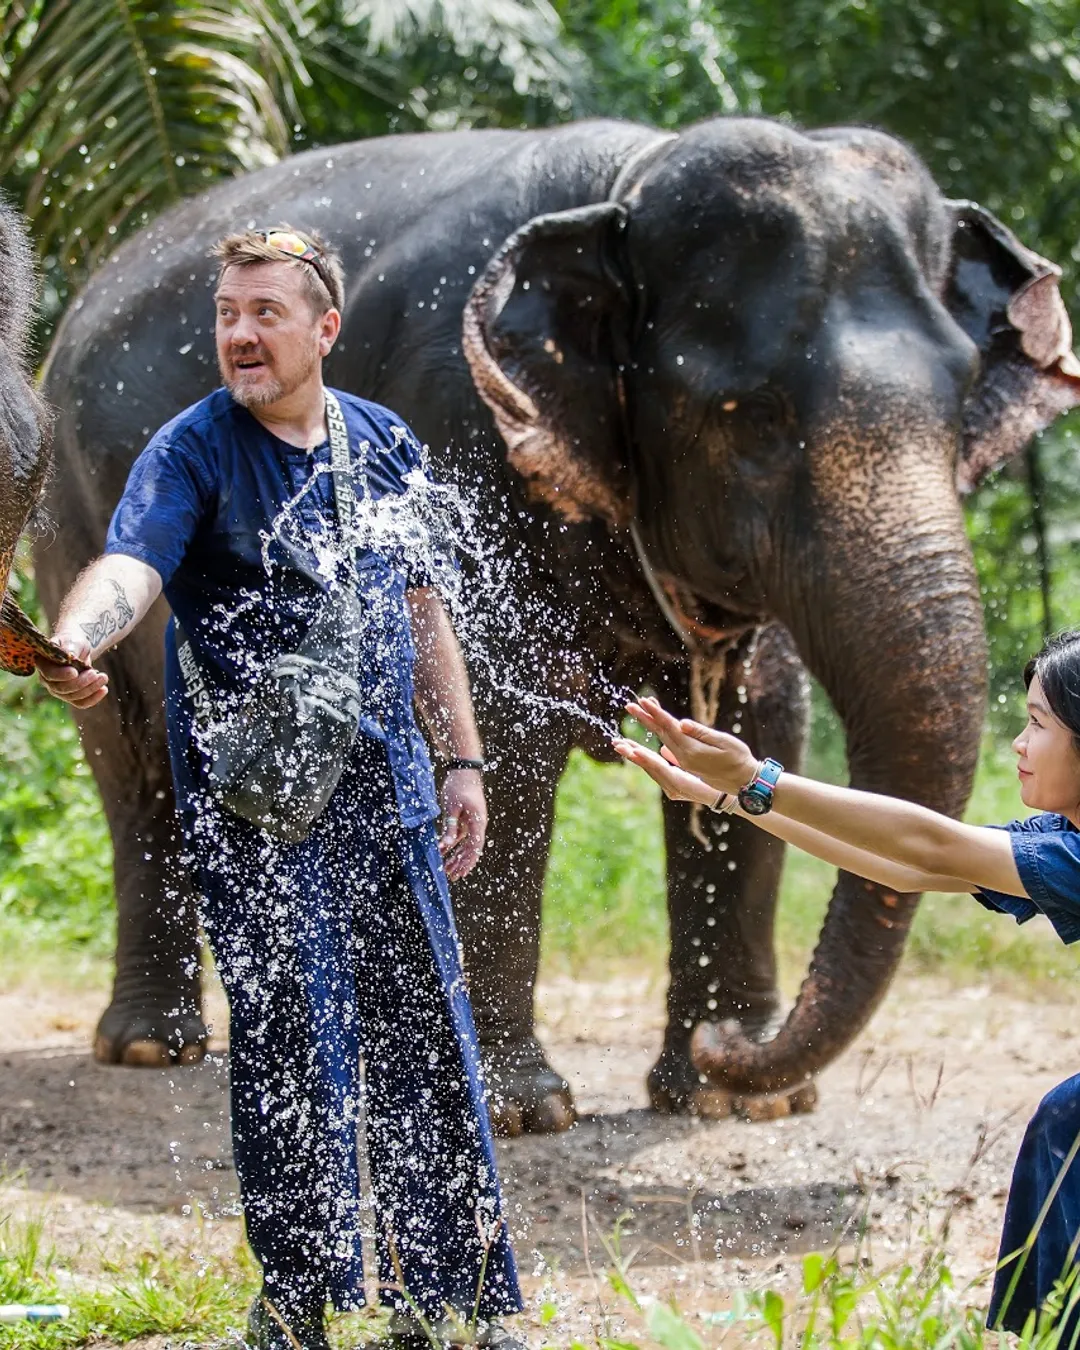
(222, 509)
(1047, 852)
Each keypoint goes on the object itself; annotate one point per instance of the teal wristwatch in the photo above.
(756, 798)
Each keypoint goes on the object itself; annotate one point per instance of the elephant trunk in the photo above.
(24, 426)
(24, 455)
(910, 689)
(24, 420)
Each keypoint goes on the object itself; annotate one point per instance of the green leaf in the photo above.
(813, 1271)
(121, 104)
(772, 1310)
(669, 1329)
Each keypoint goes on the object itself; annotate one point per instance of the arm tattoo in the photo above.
(109, 621)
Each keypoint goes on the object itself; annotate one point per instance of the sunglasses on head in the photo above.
(285, 241)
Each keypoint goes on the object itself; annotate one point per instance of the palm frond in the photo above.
(111, 109)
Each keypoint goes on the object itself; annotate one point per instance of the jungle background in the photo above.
(110, 110)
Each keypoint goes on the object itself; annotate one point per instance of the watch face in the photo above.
(755, 803)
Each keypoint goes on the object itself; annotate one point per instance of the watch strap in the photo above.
(757, 796)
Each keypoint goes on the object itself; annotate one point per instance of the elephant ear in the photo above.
(543, 331)
(1006, 298)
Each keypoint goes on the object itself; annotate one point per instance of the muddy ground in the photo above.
(918, 1122)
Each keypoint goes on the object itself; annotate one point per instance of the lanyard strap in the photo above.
(341, 468)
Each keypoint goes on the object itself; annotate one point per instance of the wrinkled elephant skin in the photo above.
(24, 437)
(716, 394)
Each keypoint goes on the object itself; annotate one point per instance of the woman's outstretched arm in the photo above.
(954, 855)
(682, 786)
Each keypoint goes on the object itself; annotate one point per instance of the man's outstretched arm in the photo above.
(106, 602)
(442, 691)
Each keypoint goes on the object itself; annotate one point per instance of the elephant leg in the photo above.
(722, 900)
(155, 1015)
(497, 909)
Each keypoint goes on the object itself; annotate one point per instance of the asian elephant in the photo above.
(714, 395)
(25, 427)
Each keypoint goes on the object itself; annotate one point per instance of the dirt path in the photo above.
(920, 1119)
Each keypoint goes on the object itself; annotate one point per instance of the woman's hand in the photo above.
(724, 762)
(676, 783)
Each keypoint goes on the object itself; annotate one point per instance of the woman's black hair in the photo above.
(1058, 669)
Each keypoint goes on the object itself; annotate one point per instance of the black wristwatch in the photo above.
(756, 798)
(477, 764)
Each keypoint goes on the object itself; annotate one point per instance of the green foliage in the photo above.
(843, 1304)
(669, 1330)
(668, 62)
(111, 110)
(605, 883)
(988, 91)
(111, 107)
(55, 854)
(411, 65)
(844, 1301)
(999, 521)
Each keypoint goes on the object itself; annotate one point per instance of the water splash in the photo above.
(436, 530)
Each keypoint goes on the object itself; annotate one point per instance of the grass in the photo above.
(158, 1292)
(842, 1299)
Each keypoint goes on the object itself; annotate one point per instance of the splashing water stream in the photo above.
(424, 528)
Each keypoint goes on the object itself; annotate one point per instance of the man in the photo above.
(340, 946)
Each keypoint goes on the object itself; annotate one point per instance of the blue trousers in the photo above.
(1025, 1280)
(340, 949)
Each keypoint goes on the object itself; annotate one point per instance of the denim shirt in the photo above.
(1046, 848)
(208, 505)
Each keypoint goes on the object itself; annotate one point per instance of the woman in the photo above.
(1025, 868)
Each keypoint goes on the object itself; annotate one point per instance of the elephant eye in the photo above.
(766, 405)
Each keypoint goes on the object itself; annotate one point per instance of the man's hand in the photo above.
(465, 816)
(81, 690)
(108, 599)
(723, 761)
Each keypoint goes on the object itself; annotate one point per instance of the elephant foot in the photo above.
(676, 1088)
(145, 1037)
(525, 1095)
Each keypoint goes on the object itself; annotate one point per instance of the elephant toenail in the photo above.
(146, 1055)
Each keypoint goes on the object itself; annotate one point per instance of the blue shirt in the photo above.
(1047, 852)
(223, 510)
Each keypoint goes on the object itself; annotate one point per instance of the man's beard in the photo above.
(270, 388)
